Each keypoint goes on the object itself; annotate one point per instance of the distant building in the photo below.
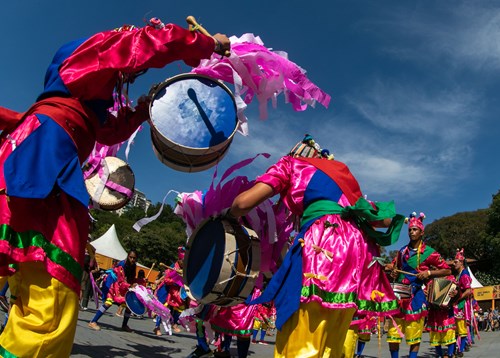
(138, 200)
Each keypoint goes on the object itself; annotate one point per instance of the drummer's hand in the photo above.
(453, 293)
(424, 275)
(222, 44)
(394, 274)
(226, 214)
(389, 267)
(142, 108)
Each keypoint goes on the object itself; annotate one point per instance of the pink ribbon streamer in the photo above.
(257, 71)
(145, 295)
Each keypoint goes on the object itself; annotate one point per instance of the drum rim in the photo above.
(181, 76)
(191, 168)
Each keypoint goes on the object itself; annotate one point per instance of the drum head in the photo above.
(119, 173)
(133, 304)
(204, 257)
(194, 111)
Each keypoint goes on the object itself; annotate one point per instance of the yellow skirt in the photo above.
(43, 315)
(314, 331)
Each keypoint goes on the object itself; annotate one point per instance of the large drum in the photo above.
(134, 304)
(221, 263)
(193, 120)
(438, 292)
(401, 290)
(111, 186)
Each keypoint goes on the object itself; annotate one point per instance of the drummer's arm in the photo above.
(427, 275)
(250, 198)
(437, 267)
(120, 126)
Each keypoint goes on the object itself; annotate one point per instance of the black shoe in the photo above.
(199, 352)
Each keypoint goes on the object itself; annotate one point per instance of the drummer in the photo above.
(116, 285)
(170, 292)
(314, 290)
(52, 140)
(412, 267)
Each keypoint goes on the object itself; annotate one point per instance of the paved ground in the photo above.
(112, 342)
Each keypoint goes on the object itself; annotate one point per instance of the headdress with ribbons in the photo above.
(308, 148)
(416, 221)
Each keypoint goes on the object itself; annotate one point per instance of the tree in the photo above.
(477, 232)
(156, 242)
(462, 230)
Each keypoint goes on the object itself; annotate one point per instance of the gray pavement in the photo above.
(112, 342)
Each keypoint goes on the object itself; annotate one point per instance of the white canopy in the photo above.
(475, 283)
(109, 245)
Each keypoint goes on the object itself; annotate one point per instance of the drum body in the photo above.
(114, 192)
(193, 120)
(439, 290)
(401, 290)
(221, 263)
(134, 304)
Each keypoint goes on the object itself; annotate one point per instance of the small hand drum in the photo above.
(401, 290)
(111, 186)
(134, 304)
(222, 262)
(193, 119)
(438, 293)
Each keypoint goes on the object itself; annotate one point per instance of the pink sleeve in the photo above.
(278, 175)
(96, 62)
(437, 261)
(465, 282)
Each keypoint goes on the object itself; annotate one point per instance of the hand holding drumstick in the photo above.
(222, 43)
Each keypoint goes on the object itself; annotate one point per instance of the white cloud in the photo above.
(463, 35)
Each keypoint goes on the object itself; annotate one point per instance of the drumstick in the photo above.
(170, 268)
(193, 24)
(151, 269)
(406, 272)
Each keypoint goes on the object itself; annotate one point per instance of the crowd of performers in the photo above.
(450, 323)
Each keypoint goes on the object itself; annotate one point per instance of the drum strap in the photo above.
(415, 260)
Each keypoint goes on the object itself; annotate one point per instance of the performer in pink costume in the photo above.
(330, 272)
(171, 292)
(43, 200)
(414, 265)
(463, 296)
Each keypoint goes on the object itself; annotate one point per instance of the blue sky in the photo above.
(414, 86)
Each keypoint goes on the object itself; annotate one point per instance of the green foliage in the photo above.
(462, 230)
(487, 279)
(494, 216)
(478, 232)
(156, 242)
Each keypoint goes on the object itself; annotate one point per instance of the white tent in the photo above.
(475, 283)
(109, 245)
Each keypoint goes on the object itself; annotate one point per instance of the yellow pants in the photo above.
(411, 329)
(350, 343)
(314, 331)
(442, 338)
(43, 315)
(461, 327)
